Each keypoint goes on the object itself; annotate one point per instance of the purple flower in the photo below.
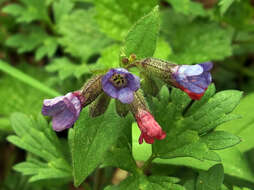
(120, 84)
(65, 110)
(193, 79)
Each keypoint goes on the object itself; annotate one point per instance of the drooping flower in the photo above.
(149, 128)
(193, 79)
(65, 110)
(120, 84)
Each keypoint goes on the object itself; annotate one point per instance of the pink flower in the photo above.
(149, 128)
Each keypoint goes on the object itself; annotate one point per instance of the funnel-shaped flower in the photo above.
(193, 79)
(65, 110)
(120, 84)
(149, 128)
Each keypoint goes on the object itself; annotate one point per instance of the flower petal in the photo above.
(63, 120)
(53, 106)
(109, 89)
(193, 70)
(133, 82)
(125, 95)
(107, 76)
(193, 88)
(207, 66)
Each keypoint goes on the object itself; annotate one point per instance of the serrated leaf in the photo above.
(205, 41)
(243, 127)
(61, 9)
(234, 162)
(66, 68)
(92, 139)
(144, 183)
(28, 11)
(220, 140)
(184, 137)
(47, 48)
(27, 42)
(79, 38)
(188, 7)
(38, 138)
(125, 14)
(212, 179)
(141, 39)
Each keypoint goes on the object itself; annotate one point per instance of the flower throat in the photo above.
(118, 80)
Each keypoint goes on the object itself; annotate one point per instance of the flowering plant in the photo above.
(123, 96)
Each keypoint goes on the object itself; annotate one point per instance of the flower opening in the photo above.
(120, 84)
(193, 79)
(65, 110)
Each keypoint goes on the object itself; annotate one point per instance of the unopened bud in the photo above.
(148, 126)
(92, 89)
(100, 105)
(121, 109)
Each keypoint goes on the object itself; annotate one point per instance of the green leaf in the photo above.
(220, 140)
(66, 68)
(120, 155)
(141, 39)
(212, 179)
(234, 162)
(243, 127)
(109, 58)
(205, 41)
(48, 48)
(183, 130)
(34, 38)
(126, 13)
(188, 7)
(38, 138)
(224, 5)
(26, 79)
(29, 11)
(79, 38)
(92, 139)
(61, 9)
(27, 42)
(150, 183)
(163, 50)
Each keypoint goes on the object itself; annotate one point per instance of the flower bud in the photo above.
(121, 109)
(148, 126)
(92, 89)
(100, 105)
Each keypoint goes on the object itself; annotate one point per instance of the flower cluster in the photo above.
(123, 86)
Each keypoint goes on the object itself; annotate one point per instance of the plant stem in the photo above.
(148, 163)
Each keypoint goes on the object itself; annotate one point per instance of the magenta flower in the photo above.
(193, 79)
(149, 128)
(120, 84)
(65, 110)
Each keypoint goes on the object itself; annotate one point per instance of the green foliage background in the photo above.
(51, 47)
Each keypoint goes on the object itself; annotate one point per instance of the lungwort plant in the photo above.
(137, 105)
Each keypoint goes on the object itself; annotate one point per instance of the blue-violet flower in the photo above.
(65, 110)
(120, 84)
(193, 79)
